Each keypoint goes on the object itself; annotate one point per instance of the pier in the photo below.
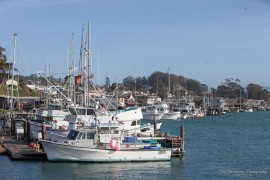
(178, 144)
(19, 149)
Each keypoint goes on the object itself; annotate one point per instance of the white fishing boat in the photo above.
(151, 113)
(87, 111)
(130, 118)
(160, 111)
(105, 143)
(171, 115)
(163, 108)
(54, 117)
(249, 109)
(54, 113)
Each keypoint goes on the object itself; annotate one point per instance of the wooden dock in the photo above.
(178, 144)
(19, 149)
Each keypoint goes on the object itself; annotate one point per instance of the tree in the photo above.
(194, 86)
(114, 86)
(129, 83)
(157, 82)
(142, 83)
(107, 82)
(204, 87)
(255, 91)
(5, 67)
(230, 89)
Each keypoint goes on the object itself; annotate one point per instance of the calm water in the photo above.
(232, 146)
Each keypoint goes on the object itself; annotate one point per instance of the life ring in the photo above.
(127, 146)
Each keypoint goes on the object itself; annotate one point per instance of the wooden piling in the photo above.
(182, 136)
(155, 126)
(43, 132)
(25, 129)
(13, 126)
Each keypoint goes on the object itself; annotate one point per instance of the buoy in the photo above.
(112, 144)
(34, 146)
(31, 144)
(117, 146)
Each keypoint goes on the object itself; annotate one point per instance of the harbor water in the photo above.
(231, 146)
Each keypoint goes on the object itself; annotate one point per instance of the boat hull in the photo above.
(151, 116)
(62, 152)
(171, 116)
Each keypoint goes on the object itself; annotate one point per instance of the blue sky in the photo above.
(206, 40)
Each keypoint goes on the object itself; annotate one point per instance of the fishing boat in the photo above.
(129, 118)
(105, 143)
(151, 113)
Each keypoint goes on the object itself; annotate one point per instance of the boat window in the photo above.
(104, 130)
(72, 134)
(114, 132)
(81, 135)
(51, 106)
(133, 123)
(58, 107)
(72, 111)
(90, 135)
(139, 121)
(90, 112)
(81, 111)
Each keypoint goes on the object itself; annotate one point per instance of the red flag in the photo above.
(78, 79)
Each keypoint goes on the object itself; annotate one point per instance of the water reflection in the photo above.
(141, 170)
(215, 148)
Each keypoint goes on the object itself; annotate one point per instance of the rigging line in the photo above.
(97, 89)
(24, 61)
(54, 86)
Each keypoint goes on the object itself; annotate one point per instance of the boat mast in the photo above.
(240, 99)
(169, 82)
(157, 87)
(71, 87)
(89, 64)
(85, 84)
(89, 51)
(81, 54)
(81, 65)
(13, 63)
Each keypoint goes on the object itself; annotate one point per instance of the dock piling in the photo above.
(182, 136)
(24, 129)
(43, 132)
(27, 131)
(155, 126)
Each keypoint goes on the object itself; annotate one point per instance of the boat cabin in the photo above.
(82, 111)
(103, 133)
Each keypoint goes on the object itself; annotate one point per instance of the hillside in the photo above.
(22, 91)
